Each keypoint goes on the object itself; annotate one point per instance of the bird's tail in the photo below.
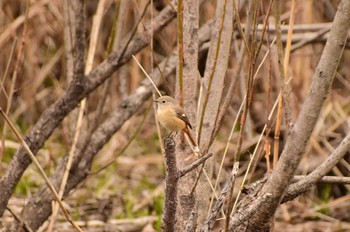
(191, 138)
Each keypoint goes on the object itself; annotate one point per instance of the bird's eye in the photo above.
(163, 101)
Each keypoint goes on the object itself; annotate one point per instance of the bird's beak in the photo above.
(155, 100)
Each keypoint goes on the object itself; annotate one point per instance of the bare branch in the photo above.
(215, 72)
(194, 165)
(327, 179)
(186, 91)
(318, 174)
(79, 41)
(300, 134)
(171, 182)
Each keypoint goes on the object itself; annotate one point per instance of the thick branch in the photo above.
(171, 180)
(186, 90)
(79, 41)
(242, 216)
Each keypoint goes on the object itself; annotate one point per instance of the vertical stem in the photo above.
(180, 48)
(171, 180)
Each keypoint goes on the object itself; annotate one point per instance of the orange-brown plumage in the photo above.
(172, 117)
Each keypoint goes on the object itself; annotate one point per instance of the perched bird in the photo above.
(172, 117)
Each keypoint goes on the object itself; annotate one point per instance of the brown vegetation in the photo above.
(264, 83)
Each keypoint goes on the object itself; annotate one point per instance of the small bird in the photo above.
(172, 117)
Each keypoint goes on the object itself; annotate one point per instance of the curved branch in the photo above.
(307, 182)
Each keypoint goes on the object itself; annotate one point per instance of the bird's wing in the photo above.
(181, 115)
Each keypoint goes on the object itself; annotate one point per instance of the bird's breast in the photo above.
(168, 119)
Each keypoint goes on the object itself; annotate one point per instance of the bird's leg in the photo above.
(170, 134)
(169, 137)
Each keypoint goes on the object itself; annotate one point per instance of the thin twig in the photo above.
(19, 61)
(252, 15)
(307, 40)
(8, 68)
(255, 150)
(132, 34)
(20, 58)
(283, 72)
(194, 165)
(131, 139)
(149, 78)
(3, 90)
(212, 71)
(286, 107)
(180, 51)
(214, 75)
(18, 218)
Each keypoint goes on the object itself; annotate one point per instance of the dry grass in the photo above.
(132, 187)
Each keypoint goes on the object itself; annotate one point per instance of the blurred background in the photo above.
(127, 178)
